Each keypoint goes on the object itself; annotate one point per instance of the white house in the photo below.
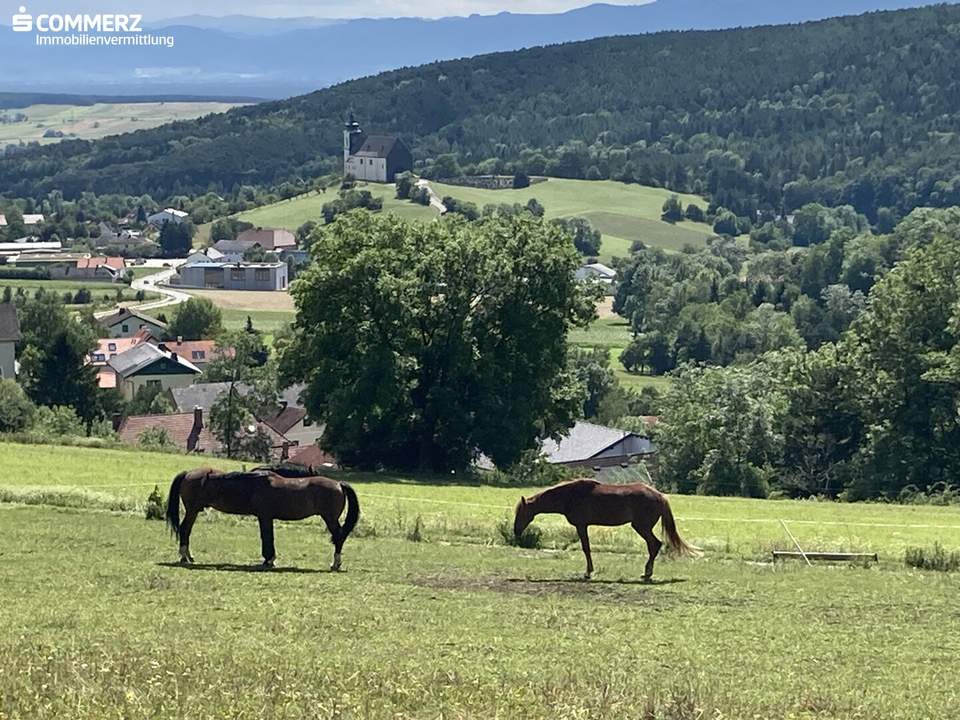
(210, 254)
(159, 219)
(127, 323)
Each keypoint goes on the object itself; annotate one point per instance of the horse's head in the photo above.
(522, 517)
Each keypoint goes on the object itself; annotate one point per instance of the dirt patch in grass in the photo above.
(612, 591)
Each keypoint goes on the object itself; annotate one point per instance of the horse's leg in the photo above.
(335, 537)
(266, 541)
(653, 547)
(585, 544)
(186, 527)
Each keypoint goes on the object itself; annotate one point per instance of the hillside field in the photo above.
(434, 616)
(623, 213)
(90, 122)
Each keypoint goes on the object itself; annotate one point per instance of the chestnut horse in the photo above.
(269, 494)
(588, 502)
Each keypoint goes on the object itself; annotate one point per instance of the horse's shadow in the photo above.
(232, 567)
(596, 581)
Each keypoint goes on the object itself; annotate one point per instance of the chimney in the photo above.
(285, 451)
(194, 437)
(179, 339)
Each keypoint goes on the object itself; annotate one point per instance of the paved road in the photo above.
(434, 198)
(152, 283)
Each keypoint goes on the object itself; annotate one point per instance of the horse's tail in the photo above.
(353, 511)
(673, 537)
(173, 504)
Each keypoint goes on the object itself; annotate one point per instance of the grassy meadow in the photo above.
(90, 122)
(623, 213)
(446, 621)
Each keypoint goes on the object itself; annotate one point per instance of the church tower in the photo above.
(352, 138)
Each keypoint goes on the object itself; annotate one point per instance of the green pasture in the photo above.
(622, 212)
(446, 621)
(89, 122)
(266, 321)
(294, 212)
(613, 333)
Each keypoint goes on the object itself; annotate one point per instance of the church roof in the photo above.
(378, 146)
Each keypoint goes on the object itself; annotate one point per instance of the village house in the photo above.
(199, 352)
(159, 219)
(126, 323)
(234, 276)
(146, 365)
(30, 221)
(9, 337)
(376, 158)
(29, 245)
(104, 268)
(229, 251)
(109, 348)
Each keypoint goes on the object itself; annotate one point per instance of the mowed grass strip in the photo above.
(465, 512)
(97, 622)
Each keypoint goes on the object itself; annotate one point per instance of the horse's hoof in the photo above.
(587, 576)
(647, 579)
(334, 568)
(186, 561)
(267, 565)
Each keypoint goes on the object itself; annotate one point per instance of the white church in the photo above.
(375, 158)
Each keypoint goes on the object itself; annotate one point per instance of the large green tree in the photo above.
(426, 344)
(197, 319)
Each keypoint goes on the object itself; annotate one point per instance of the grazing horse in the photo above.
(588, 502)
(269, 494)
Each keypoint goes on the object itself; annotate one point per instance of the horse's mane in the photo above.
(288, 470)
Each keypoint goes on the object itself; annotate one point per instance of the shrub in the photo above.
(156, 438)
(935, 558)
(57, 422)
(155, 508)
(16, 410)
(532, 537)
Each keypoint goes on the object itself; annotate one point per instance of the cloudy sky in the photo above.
(159, 9)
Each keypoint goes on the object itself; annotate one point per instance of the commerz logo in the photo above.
(100, 29)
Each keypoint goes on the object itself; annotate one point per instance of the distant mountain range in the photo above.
(275, 58)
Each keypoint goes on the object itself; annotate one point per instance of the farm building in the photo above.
(105, 268)
(9, 336)
(210, 254)
(127, 323)
(376, 158)
(589, 445)
(596, 271)
(146, 365)
(159, 219)
(234, 276)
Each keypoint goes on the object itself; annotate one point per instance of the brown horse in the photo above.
(268, 494)
(588, 502)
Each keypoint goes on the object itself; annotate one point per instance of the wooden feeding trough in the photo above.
(808, 556)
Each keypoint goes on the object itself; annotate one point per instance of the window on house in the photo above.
(112, 347)
(99, 357)
(237, 274)
(124, 328)
(262, 275)
(153, 384)
(199, 354)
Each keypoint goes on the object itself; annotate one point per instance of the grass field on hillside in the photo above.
(89, 122)
(104, 293)
(622, 213)
(613, 333)
(293, 213)
(98, 622)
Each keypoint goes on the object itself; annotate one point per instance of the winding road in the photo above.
(166, 269)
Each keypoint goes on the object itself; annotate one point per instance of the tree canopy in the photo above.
(425, 345)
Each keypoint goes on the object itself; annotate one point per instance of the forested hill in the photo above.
(860, 110)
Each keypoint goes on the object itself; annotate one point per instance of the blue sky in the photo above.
(159, 9)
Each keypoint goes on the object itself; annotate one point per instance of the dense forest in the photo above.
(858, 110)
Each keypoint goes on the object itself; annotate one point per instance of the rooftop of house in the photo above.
(238, 265)
(201, 395)
(601, 269)
(197, 351)
(115, 263)
(143, 355)
(25, 245)
(172, 211)
(124, 314)
(28, 220)
(9, 325)
(582, 442)
(185, 430)
(270, 236)
(111, 347)
(286, 417)
(313, 456)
